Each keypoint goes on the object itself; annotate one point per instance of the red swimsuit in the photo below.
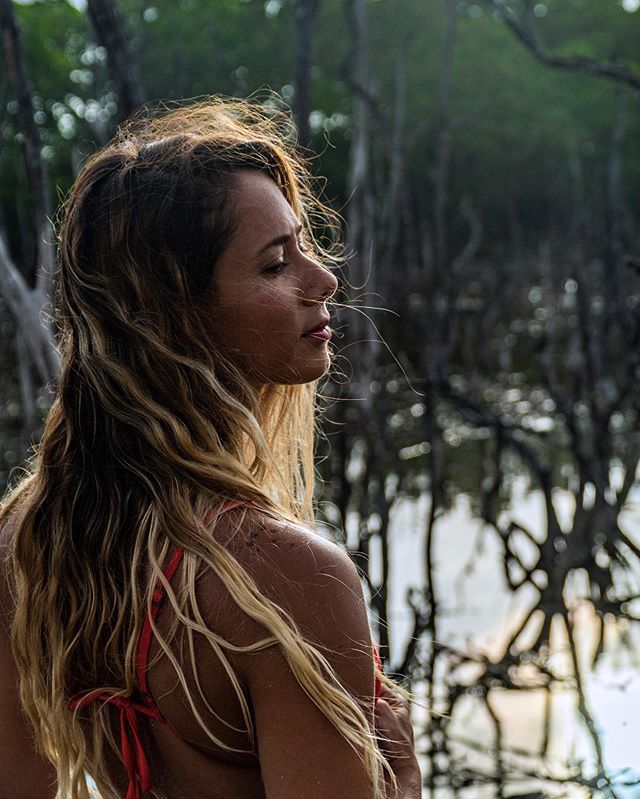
(132, 751)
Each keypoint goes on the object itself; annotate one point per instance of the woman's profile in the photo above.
(174, 625)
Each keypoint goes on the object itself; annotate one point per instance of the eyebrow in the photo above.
(279, 240)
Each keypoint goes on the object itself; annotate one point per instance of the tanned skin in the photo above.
(301, 753)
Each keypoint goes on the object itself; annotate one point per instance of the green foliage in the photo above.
(514, 121)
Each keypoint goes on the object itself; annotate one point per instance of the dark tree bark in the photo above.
(305, 17)
(108, 24)
(24, 302)
(364, 340)
(359, 212)
(442, 165)
(27, 388)
(20, 85)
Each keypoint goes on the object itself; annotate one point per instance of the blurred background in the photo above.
(481, 437)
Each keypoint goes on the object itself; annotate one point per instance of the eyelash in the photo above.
(276, 269)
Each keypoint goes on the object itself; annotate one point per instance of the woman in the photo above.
(175, 628)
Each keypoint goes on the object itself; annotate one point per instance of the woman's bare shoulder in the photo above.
(309, 577)
(315, 582)
(290, 561)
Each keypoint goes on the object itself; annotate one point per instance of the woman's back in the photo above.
(182, 760)
(316, 583)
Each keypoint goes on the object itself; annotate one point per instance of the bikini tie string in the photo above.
(132, 751)
(378, 670)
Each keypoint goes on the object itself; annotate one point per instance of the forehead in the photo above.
(260, 209)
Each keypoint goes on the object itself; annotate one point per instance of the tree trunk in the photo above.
(305, 17)
(360, 208)
(19, 80)
(26, 306)
(108, 24)
(25, 303)
(443, 158)
(27, 389)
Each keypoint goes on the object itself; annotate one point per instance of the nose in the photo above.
(321, 283)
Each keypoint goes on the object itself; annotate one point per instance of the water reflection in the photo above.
(516, 724)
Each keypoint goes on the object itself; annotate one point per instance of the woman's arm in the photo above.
(395, 732)
(24, 774)
(301, 753)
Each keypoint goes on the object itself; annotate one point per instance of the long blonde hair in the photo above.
(151, 426)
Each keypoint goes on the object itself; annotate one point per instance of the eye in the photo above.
(277, 268)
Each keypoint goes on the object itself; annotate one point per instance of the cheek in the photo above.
(252, 321)
(266, 318)
(268, 311)
(256, 331)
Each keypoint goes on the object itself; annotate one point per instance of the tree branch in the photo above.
(523, 32)
(25, 306)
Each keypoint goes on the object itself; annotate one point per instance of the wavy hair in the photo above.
(151, 426)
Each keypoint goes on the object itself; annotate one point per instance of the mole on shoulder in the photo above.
(251, 538)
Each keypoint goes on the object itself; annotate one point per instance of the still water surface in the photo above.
(478, 612)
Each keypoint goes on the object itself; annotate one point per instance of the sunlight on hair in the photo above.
(148, 407)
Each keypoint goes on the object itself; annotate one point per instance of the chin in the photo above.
(317, 371)
(307, 373)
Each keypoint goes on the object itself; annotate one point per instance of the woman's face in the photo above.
(269, 294)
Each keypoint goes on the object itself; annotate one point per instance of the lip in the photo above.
(321, 332)
(322, 329)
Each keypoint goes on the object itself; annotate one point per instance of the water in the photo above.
(477, 613)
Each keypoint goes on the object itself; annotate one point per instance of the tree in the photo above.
(108, 23)
(523, 30)
(305, 14)
(27, 303)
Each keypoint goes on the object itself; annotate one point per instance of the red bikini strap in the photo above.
(377, 671)
(146, 634)
(159, 593)
(134, 757)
